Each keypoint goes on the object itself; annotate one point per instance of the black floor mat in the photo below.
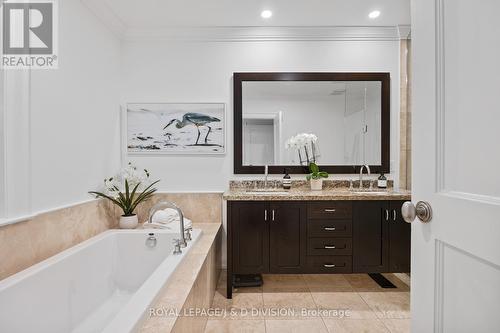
(247, 280)
(381, 280)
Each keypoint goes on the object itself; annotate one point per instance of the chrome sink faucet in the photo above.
(361, 175)
(266, 173)
(167, 204)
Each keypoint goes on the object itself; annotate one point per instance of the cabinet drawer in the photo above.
(329, 246)
(329, 210)
(329, 228)
(332, 264)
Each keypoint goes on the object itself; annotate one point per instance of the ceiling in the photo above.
(154, 14)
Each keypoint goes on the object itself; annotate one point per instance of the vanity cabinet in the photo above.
(329, 237)
(370, 236)
(287, 230)
(249, 237)
(399, 239)
(268, 237)
(381, 237)
(316, 237)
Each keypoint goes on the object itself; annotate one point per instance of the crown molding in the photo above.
(107, 16)
(244, 33)
(261, 34)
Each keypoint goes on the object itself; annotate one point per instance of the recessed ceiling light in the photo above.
(374, 14)
(266, 14)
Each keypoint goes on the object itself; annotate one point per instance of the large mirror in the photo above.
(286, 120)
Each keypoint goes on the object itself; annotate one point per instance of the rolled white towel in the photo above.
(170, 218)
(161, 217)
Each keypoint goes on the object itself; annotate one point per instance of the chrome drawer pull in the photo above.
(329, 246)
(328, 210)
(330, 228)
(329, 265)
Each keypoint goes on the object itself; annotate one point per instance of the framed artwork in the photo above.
(175, 128)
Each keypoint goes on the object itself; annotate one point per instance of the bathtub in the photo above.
(105, 284)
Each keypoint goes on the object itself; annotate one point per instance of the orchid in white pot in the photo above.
(316, 177)
(127, 190)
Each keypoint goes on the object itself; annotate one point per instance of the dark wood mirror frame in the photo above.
(239, 78)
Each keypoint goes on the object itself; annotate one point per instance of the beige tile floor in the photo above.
(351, 303)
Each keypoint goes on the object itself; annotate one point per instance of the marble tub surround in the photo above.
(191, 287)
(333, 190)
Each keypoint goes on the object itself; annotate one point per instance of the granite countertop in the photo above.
(332, 191)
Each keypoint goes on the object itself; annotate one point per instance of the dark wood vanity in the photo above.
(297, 237)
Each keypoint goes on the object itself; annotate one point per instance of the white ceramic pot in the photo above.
(317, 184)
(129, 222)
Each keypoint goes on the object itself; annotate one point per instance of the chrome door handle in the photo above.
(422, 210)
(329, 246)
(328, 210)
(329, 265)
(265, 214)
(329, 228)
(272, 215)
(387, 215)
(394, 215)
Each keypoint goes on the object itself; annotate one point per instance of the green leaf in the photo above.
(313, 167)
(127, 191)
(146, 194)
(323, 174)
(132, 195)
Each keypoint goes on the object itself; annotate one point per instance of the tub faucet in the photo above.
(361, 175)
(167, 204)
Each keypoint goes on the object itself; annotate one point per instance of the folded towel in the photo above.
(173, 226)
(169, 219)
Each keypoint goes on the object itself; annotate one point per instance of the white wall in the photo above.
(2, 143)
(160, 71)
(62, 126)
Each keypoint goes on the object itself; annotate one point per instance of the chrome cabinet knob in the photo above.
(422, 210)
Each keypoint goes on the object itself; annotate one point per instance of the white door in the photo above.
(456, 165)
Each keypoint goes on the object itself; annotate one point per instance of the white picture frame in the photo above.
(174, 128)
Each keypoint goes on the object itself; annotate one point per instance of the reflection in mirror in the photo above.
(345, 116)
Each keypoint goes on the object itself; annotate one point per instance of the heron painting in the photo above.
(191, 128)
(196, 119)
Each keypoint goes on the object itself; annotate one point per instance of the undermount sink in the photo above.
(369, 192)
(266, 191)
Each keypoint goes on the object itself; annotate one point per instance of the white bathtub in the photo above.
(105, 284)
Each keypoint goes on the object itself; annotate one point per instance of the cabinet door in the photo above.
(399, 240)
(370, 236)
(250, 237)
(287, 237)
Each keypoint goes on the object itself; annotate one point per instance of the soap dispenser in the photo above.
(287, 180)
(382, 181)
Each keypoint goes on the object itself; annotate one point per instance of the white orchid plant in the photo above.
(304, 143)
(128, 189)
